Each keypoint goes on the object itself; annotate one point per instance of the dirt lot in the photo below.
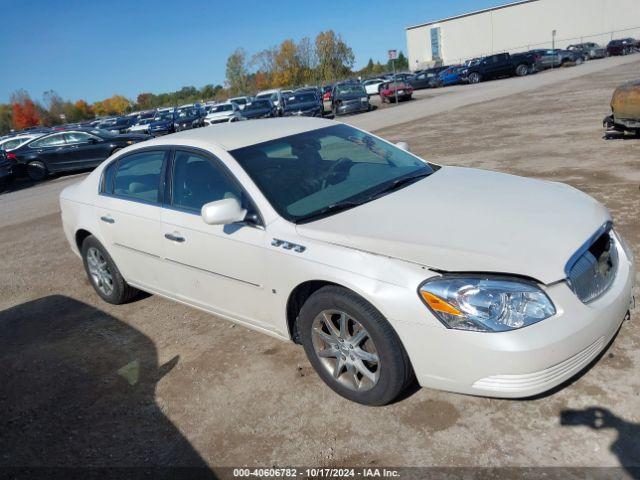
(157, 383)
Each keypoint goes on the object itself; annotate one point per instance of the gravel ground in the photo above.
(158, 383)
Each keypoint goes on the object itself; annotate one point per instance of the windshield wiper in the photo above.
(329, 210)
(398, 184)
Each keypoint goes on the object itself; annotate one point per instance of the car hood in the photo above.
(468, 220)
(161, 123)
(228, 113)
(255, 113)
(294, 107)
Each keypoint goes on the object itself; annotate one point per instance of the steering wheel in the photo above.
(342, 163)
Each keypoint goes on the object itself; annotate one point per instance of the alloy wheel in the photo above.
(346, 350)
(99, 271)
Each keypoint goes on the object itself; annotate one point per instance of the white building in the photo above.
(520, 26)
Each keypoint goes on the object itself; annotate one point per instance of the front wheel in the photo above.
(103, 273)
(353, 348)
(475, 77)
(37, 171)
(522, 70)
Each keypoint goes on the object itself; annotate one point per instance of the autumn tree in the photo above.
(265, 64)
(115, 105)
(288, 68)
(236, 72)
(24, 111)
(335, 57)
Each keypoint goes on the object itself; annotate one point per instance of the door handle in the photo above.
(174, 238)
(107, 219)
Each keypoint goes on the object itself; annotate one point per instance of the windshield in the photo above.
(187, 112)
(239, 101)
(305, 174)
(302, 98)
(271, 96)
(350, 89)
(222, 108)
(258, 105)
(163, 116)
(144, 121)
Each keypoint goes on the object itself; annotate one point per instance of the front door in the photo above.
(216, 267)
(85, 149)
(128, 210)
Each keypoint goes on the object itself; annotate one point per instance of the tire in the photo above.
(522, 70)
(475, 77)
(579, 61)
(37, 171)
(392, 371)
(119, 292)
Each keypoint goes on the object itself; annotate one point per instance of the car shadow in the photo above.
(78, 392)
(22, 182)
(626, 445)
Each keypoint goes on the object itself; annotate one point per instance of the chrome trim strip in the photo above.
(213, 273)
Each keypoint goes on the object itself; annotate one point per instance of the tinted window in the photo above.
(138, 176)
(52, 141)
(197, 181)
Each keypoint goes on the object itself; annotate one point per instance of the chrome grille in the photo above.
(592, 271)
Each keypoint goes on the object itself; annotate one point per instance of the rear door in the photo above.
(53, 151)
(220, 268)
(128, 209)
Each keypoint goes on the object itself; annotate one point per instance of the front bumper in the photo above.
(528, 361)
(345, 108)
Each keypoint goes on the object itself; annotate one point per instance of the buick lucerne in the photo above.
(385, 267)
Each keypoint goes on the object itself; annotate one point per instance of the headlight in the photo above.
(130, 142)
(485, 304)
(364, 99)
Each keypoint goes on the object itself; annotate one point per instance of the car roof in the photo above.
(230, 136)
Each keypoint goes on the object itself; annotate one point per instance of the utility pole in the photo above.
(392, 56)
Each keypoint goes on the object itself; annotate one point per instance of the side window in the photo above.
(77, 137)
(197, 181)
(52, 141)
(107, 177)
(137, 176)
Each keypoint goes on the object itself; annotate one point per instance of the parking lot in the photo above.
(155, 382)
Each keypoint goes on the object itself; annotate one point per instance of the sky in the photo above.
(94, 49)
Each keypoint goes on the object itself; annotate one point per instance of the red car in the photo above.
(388, 91)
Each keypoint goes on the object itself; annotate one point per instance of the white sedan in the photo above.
(223, 112)
(372, 86)
(385, 267)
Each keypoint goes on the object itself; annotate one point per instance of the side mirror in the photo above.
(403, 146)
(223, 212)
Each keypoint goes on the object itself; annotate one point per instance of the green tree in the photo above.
(5, 118)
(236, 72)
(335, 57)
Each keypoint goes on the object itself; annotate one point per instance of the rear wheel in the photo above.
(353, 348)
(103, 273)
(37, 170)
(522, 70)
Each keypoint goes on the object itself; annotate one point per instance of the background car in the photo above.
(275, 95)
(163, 123)
(117, 124)
(349, 97)
(450, 76)
(223, 112)
(6, 169)
(424, 79)
(240, 101)
(69, 150)
(302, 104)
(187, 118)
(142, 126)
(11, 143)
(623, 46)
(590, 49)
(372, 85)
(388, 91)
(259, 108)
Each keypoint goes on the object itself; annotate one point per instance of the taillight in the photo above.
(11, 156)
